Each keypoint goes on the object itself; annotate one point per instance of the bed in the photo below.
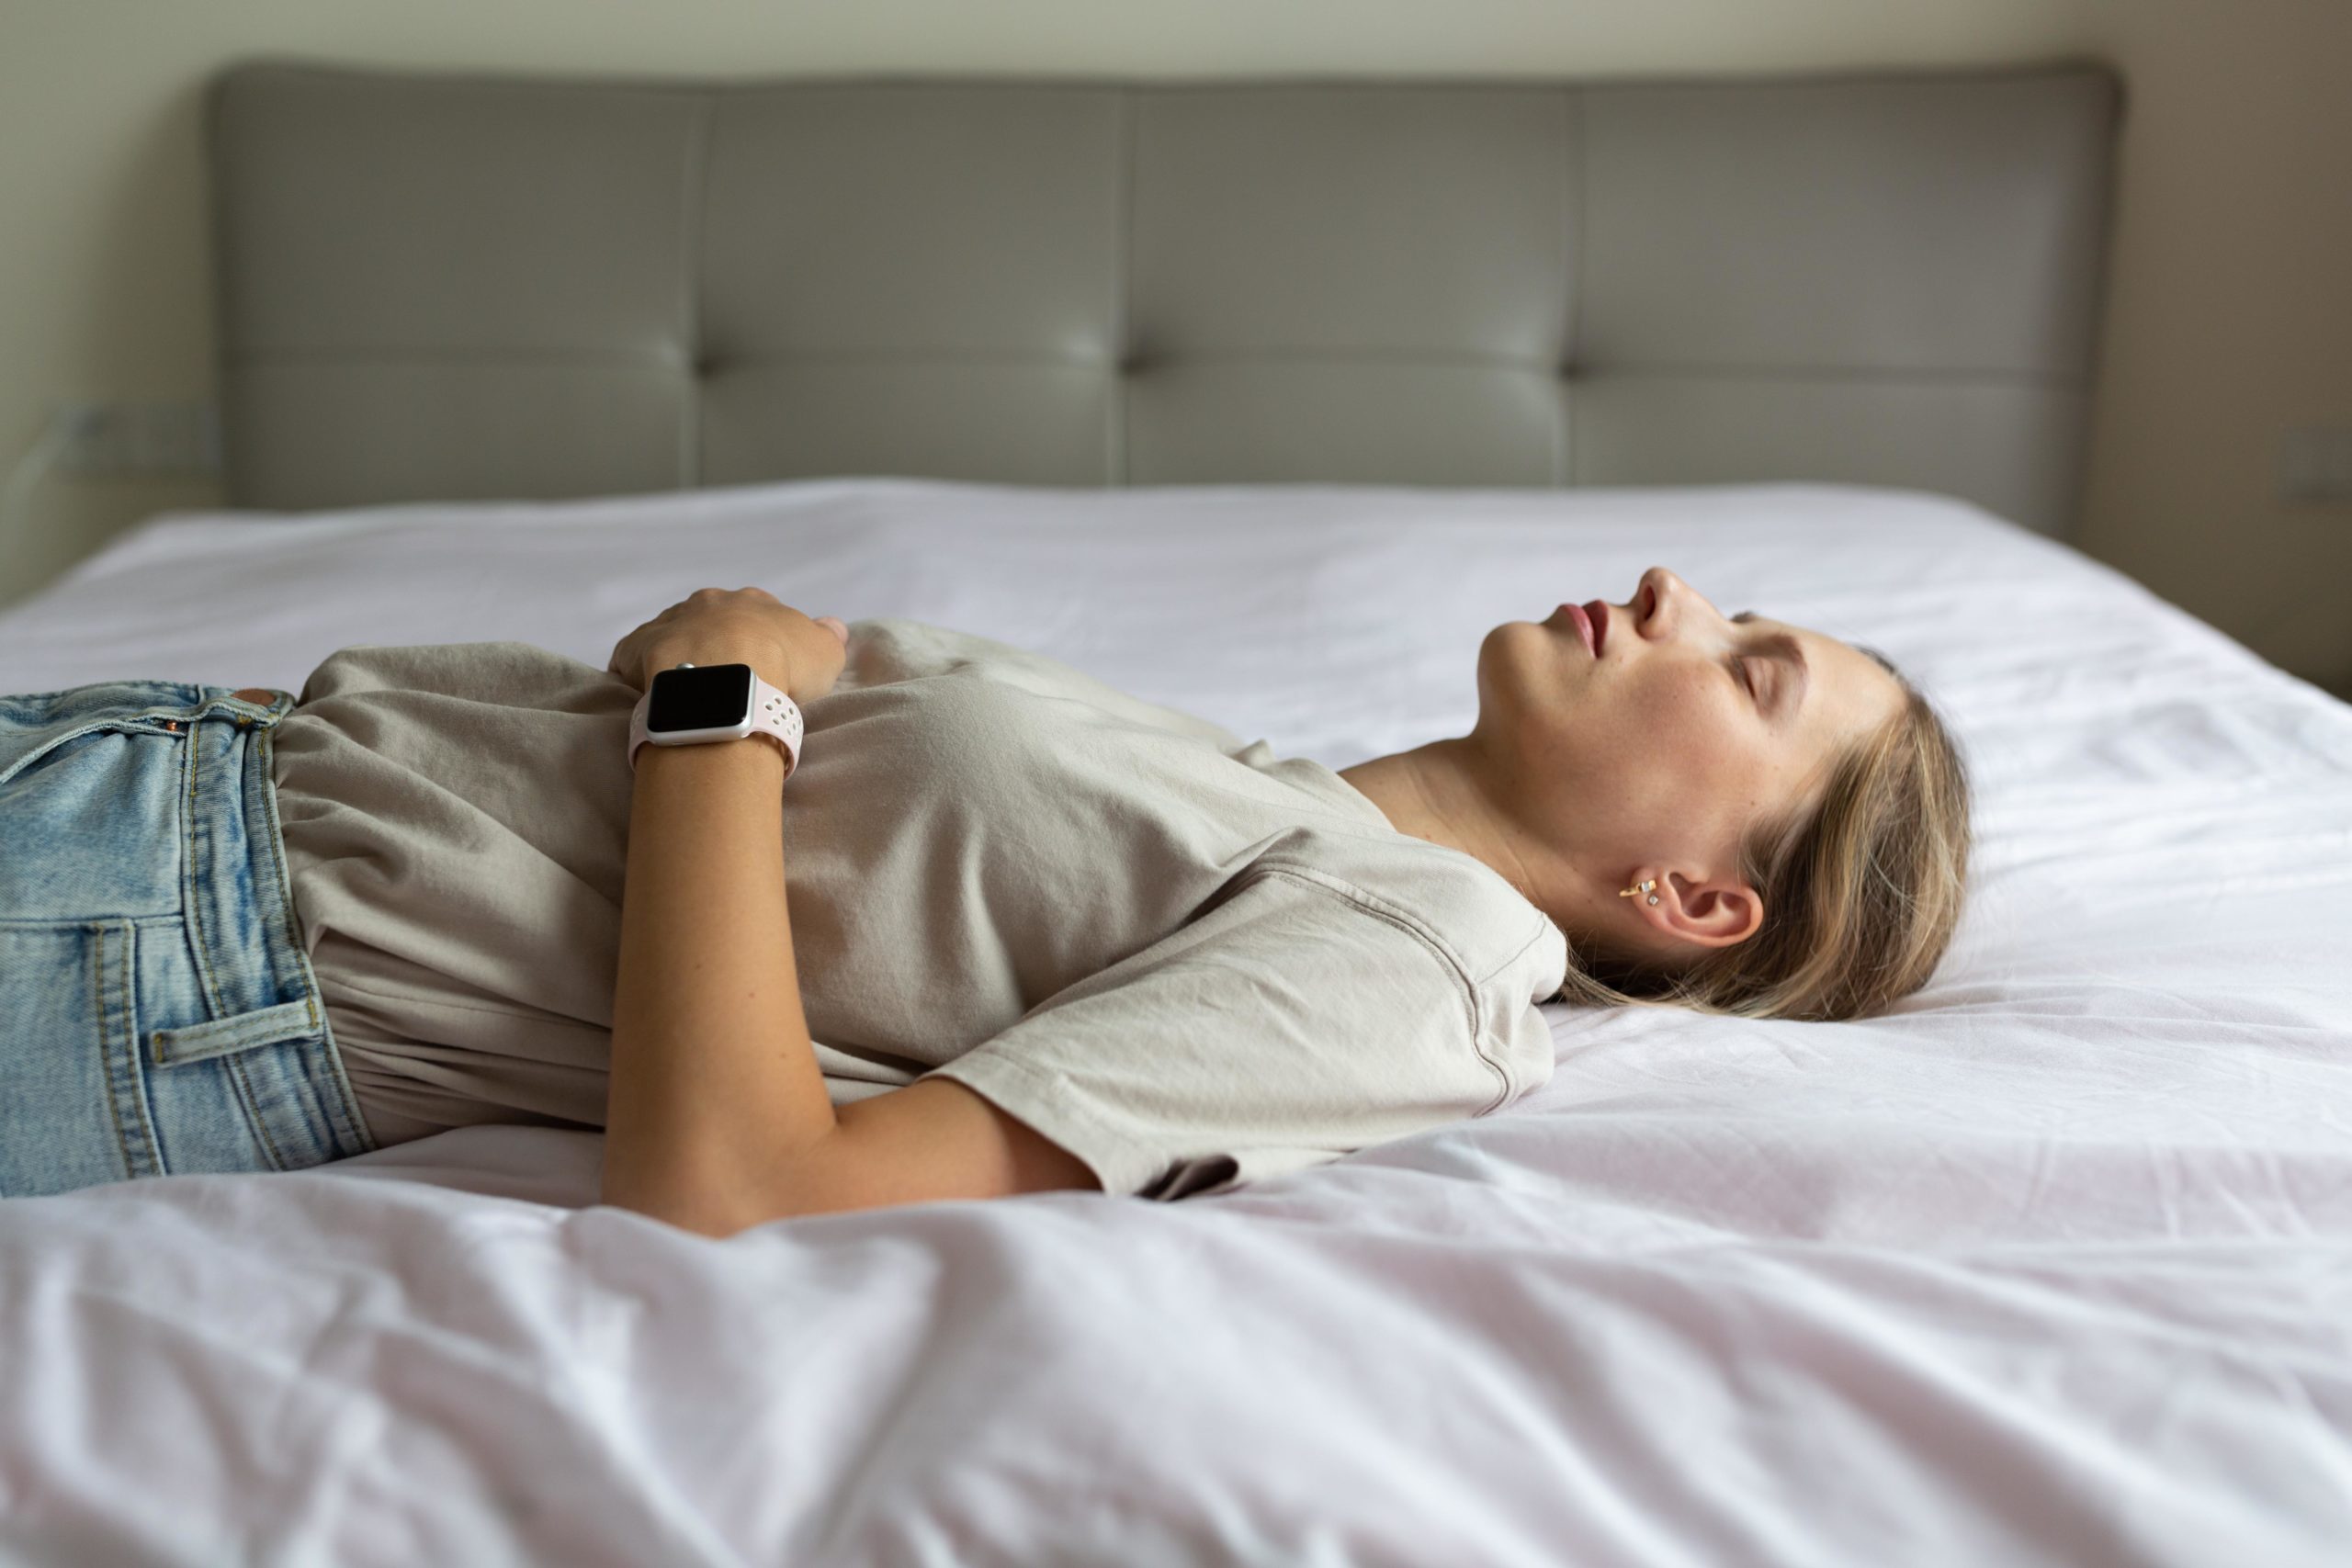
(2051, 1264)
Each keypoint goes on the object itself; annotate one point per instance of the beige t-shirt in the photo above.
(1188, 961)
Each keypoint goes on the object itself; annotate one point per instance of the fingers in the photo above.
(730, 615)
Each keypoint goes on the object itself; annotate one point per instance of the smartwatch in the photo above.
(693, 704)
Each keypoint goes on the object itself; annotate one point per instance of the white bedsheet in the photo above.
(2053, 1265)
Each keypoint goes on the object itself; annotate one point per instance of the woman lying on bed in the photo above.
(1011, 931)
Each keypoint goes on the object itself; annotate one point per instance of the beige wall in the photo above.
(2229, 317)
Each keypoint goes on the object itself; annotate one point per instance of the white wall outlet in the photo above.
(2315, 464)
(137, 438)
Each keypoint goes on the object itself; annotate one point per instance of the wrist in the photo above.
(775, 725)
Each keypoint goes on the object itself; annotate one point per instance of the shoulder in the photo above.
(1458, 904)
(1499, 952)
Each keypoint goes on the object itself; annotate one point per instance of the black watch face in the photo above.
(711, 697)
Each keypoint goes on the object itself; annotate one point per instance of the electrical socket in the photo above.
(2315, 464)
(137, 438)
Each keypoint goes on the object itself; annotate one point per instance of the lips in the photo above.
(1595, 610)
(1585, 628)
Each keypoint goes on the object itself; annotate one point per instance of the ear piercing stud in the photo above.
(1639, 887)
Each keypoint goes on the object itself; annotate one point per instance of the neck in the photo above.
(1434, 791)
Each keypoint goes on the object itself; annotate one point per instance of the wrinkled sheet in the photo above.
(2053, 1265)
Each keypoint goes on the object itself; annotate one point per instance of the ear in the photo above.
(1713, 913)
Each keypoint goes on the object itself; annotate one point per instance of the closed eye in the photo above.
(1781, 642)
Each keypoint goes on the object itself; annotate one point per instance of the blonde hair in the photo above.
(1861, 893)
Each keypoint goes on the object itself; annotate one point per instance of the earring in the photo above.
(1639, 887)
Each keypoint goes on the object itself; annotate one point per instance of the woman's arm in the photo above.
(714, 1100)
(716, 1116)
(714, 1094)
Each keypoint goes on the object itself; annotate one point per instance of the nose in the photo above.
(1661, 600)
(1655, 601)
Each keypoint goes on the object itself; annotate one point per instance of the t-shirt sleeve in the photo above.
(1283, 1027)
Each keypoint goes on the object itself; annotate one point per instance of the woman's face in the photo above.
(1684, 729)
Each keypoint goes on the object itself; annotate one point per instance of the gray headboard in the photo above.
(437, 286)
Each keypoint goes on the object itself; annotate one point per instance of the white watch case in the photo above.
(707, 704)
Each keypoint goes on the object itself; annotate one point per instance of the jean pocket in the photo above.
(74, 1109)
(109, 1069)
(92, 815)
(23, 745)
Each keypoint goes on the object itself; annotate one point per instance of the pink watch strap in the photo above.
(773, 714)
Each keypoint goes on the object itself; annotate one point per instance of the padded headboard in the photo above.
(437, 286)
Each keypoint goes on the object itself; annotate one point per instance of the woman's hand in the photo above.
(746, 625)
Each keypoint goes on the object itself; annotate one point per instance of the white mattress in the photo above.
(2053, 1265)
